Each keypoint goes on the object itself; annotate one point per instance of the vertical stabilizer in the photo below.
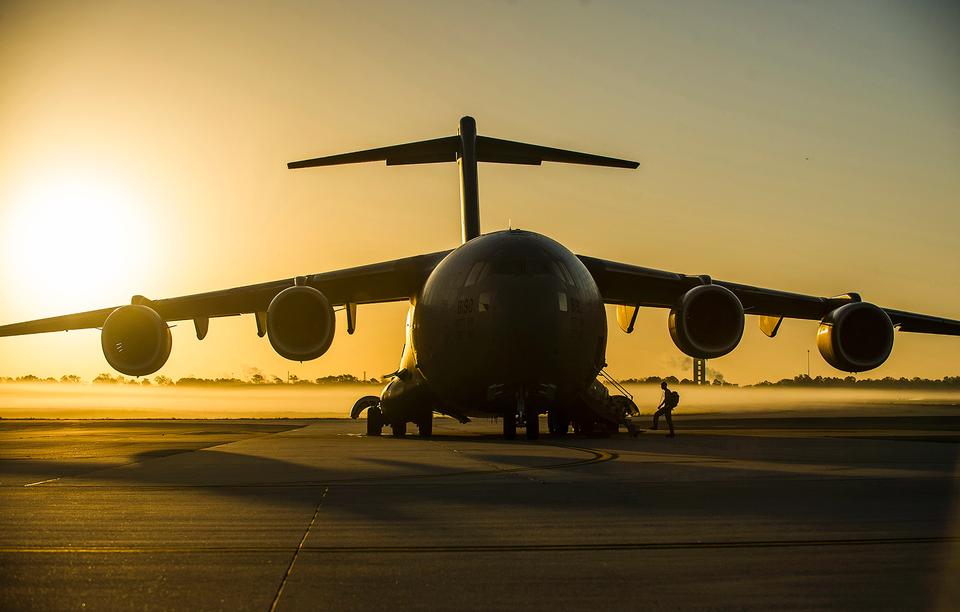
(469, 185)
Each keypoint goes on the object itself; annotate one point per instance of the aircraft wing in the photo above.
(629, 285)
(388, 281)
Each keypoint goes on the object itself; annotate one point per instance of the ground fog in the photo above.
(63, 401)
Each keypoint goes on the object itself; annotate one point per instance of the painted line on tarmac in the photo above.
(497, 548)
(33, 484)
(296, 553)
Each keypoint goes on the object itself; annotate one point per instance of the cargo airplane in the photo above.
(509, 324)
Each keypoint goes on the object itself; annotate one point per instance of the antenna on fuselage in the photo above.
(466, 148)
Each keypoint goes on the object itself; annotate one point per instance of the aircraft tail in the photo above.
(467, 148)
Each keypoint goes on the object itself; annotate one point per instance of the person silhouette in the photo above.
(667, 404)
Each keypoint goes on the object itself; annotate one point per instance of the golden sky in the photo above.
(811, 147)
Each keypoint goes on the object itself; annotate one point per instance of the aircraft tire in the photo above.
(561, 426)
(598, 429)
(425, 427)
(533, 425)
(510, 427)
(399, 429)
(374, 421)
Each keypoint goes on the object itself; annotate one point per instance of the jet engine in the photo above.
(708, 322)
(136, 340)
(300, 323)
(855, 337)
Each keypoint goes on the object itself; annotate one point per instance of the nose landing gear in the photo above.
(558, 423)
(424, 427)
(533, 424)
(510, 427)
(531, 421)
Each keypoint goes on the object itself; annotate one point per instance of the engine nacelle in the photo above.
(136, 341)
(300, 323)
(855, 337)
(708, 322)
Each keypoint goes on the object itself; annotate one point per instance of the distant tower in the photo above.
(699, 371)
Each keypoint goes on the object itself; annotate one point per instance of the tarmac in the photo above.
(753, 512)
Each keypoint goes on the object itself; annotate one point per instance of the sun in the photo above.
(73, 242)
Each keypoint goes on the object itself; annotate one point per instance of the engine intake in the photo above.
(136, 341)
(300, 323)
(855, 337)
(708, 322)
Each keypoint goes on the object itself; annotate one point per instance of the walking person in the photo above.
(667, 404)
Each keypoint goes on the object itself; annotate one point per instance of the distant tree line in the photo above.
(69, 379)
(256, 379)
(819, 382)
(263, 380)
(718, 381)
(888, 382)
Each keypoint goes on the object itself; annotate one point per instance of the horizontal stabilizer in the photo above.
(423, 152)
(467, 148)
(511, 152)
(450, 148)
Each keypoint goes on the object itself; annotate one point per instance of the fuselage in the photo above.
(508, 316)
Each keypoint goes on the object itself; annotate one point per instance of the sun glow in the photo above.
(74, 243)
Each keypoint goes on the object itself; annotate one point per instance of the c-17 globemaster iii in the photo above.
(509, 324)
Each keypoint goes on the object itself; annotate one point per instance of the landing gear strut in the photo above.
(558, 423)
(374, 421)
(533, 424)
(509, 426)
(425, 427)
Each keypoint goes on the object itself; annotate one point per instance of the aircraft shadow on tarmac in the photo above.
(617, 487)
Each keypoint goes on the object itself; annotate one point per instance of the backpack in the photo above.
(673, 398)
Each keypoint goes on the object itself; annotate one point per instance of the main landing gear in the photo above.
(510, 427)
(424, 427)
(374, 421)
(558, 423)
(533, 424)
(371, 404)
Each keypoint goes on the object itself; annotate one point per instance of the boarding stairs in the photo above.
(611, 410)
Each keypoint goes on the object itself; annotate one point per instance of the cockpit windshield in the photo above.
(520, 267)
(477, 273)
